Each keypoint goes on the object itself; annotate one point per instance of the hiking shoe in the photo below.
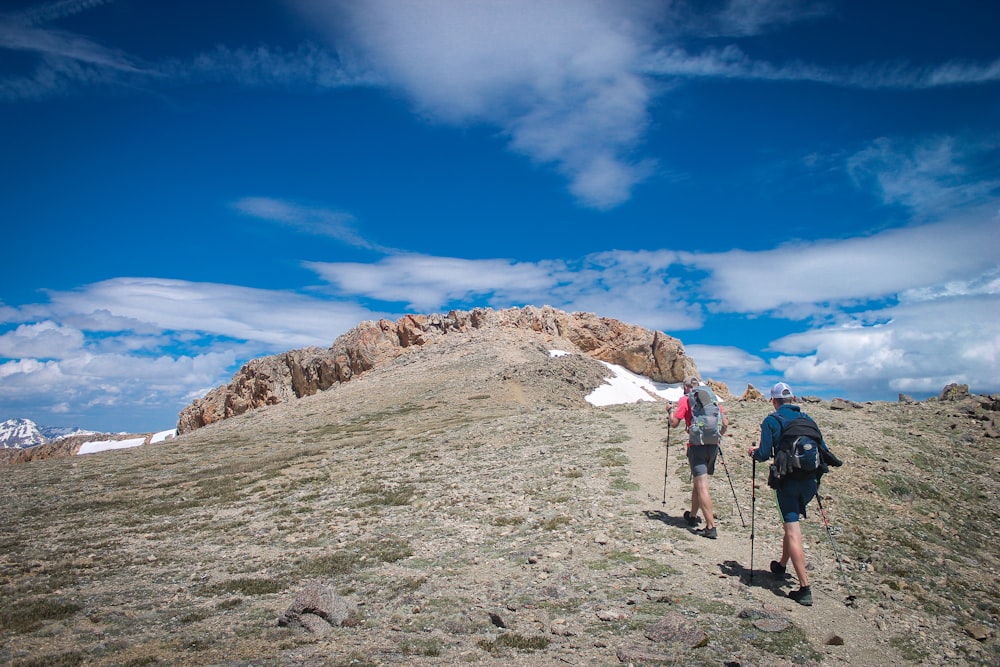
(692, 521)
(778, 570)
(803, 596)
(710, 533)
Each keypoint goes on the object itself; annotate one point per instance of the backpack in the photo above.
(706, 417)
(799, 452)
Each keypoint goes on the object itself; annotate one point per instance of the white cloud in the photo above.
(917, 347)
(41, 340)
(270, 318)
(132, 343)
(423, 282)
(724, 360)
(560, 77)
(631, 286)
(857, 269)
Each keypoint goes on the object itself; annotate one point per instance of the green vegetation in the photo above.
(25, 616)
(514, 641)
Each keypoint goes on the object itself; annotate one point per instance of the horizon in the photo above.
(800, 192)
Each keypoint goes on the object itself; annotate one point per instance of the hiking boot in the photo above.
(778, 570)
(803, 596)
(692, 521)
(710, 533)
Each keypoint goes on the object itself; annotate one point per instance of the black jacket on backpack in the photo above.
(793, 439)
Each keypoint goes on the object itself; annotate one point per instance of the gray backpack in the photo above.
(706, 417)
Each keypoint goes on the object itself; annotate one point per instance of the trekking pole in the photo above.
(850, 597)
(726, 468)
(753, 512)
(666, 461)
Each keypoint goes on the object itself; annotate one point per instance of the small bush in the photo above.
(514, 641)
(28, 615)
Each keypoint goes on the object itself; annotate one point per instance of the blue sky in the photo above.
(804, 191)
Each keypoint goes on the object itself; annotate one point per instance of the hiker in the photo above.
(794, 491)
(701, 457)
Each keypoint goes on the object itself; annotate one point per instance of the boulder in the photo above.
(317, 609)
(954, 392)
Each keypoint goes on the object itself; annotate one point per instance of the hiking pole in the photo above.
(850, 597)
(666, 461)
(723, 459)
(753, 512)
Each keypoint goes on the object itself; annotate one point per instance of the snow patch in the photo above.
(627, 387)
(91, 447)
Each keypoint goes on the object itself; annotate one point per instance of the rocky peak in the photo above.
(283, 377)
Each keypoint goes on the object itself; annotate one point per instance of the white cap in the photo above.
(781, 390)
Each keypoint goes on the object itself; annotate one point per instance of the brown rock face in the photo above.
(283, 377)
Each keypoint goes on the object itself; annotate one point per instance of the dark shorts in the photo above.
(793, 496)
(701, 459)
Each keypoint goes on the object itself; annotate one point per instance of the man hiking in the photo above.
(795, 482)
(705, 422)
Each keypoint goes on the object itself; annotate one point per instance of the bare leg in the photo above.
(702, 499)
(791, 549)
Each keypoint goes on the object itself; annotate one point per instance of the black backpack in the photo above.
(800, 452)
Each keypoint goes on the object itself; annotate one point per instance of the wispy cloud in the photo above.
(20, 31)
(856, 269)
(560, 78)
(132, 342)
(930, 176)
(314, 220)
(731, 62)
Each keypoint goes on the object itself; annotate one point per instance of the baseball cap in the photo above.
(781, 390)
(691, 381)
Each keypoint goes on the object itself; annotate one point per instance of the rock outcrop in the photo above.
(283, 377)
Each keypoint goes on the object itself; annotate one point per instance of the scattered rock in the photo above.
(676, 630)
(834, 640)
(843, 404)
(611, 615)
(993, 427)
(634, 654)
(316, 606)
(905, 398)
(772, 624)
(978, 632)
(752, 394)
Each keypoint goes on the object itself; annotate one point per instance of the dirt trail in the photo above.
(722, 564)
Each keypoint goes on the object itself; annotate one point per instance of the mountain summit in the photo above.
(283, 377)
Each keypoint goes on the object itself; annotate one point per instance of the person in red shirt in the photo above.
(701, 459)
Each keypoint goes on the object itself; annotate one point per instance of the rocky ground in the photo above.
(465, 505)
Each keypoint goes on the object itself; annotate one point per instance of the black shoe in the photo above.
(803, 596)
(692, 521)
(710, 533)
(778, 570)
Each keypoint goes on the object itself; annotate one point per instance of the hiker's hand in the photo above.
(752, 451)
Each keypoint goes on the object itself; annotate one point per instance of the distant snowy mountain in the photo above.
(22, 433)
(55, 432)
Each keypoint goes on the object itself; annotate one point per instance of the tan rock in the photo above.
(283, 377)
